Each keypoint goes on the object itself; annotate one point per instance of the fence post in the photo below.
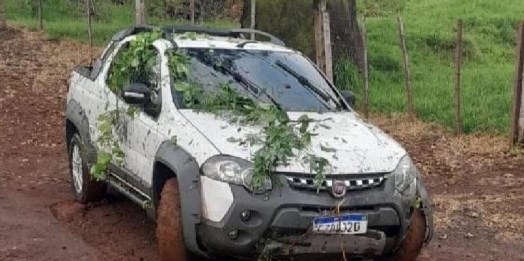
(40, 18)
(192, 10)
(253, 16)
(89, 25)
(318, 38)
(327, 44)
(202, 12)
(517, 117)
(458, 65)
(405, 55)
(3, 23)
(323, 38)
(140, 7)
(366, 68)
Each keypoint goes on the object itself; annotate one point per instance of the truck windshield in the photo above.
(287, 79)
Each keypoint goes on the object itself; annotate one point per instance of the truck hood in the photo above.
(351, 145)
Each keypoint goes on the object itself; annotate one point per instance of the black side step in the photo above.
(128, 190)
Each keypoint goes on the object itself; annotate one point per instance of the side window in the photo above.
(100, 61)
(126, 69)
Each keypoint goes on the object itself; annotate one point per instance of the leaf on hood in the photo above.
(327, 149)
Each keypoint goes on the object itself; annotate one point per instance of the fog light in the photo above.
(233, 234)
(245, 215)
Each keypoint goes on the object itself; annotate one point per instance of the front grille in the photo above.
(352, 183)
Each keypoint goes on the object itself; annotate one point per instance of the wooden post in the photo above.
(517, 115)
(140, 12)
(192, 10)
(404, 49)
(253, 16)
(202, 12)
(366, 69)
(3, 23)
(323, 39)
(89, 24)
(458, 65)
(327, 44)
(318, 39)
(40, 18)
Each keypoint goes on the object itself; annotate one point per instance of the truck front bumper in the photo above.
(279, 223)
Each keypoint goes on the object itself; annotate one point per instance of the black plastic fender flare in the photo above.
(77, 116)
(426, 209)
(187, 173)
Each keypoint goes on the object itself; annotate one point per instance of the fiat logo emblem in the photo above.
(339, 189)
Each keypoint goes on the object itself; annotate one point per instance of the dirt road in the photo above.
(476, 184)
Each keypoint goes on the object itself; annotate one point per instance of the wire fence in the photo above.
(71, 18)
(416, 68)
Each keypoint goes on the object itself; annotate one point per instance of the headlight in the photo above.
(405, 176)
(235, 171)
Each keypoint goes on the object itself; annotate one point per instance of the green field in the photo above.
(489, 39)
(67, 18)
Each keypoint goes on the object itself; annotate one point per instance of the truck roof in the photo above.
(220, 42)
(203, 37)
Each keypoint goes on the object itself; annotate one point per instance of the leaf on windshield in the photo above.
(182, 86)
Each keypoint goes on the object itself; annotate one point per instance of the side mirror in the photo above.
(136, 94)
(349, 97)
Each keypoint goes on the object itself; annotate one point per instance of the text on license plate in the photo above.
(343, 224)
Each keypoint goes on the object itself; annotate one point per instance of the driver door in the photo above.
(138, 135)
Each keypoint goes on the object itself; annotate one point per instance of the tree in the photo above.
(292, 20)
(345, 32)
(2, 15)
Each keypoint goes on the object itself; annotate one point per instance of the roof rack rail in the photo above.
(132, 31)
(237, 33)
(248, 31)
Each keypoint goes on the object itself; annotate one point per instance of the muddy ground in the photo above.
(476, 182)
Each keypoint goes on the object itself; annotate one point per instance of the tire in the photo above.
(169, 236)
(84, 187)
(412, 244)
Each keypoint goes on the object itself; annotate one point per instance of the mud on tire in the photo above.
(412, 244)
(169, 234)
(87, 189)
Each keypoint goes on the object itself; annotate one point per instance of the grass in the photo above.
(67, 19)
(489, 40)
(487, 76)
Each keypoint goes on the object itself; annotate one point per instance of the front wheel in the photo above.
(84, 186)
(412, 244)
(170, 238)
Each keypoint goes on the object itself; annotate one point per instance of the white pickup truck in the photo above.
(191, 172)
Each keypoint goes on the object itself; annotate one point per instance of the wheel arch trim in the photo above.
(76, 115)
(426, 209)
(187, 173)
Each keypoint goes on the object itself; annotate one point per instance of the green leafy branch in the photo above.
(108, 122)
(132, 64)
(280, 138)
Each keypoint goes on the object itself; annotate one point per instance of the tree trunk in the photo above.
(345, 33)
(3, 24)
(245, 19)
(292, 21)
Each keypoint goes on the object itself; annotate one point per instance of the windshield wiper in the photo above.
(306, 82)
(248, 85)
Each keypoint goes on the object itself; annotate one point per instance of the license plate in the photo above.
(343, 224)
